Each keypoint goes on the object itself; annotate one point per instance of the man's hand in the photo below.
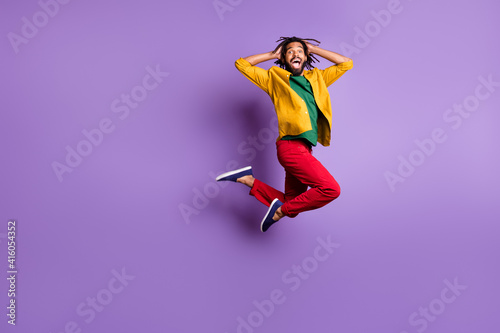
(310, 47)
(277, 53)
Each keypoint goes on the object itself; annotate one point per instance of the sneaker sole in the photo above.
(230, 173)
(265, 216)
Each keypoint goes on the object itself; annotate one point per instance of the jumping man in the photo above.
(303, 107)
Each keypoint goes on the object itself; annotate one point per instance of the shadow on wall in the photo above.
(252, 134)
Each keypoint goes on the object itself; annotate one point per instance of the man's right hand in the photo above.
(278, 53)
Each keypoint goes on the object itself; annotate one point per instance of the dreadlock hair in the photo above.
(284, 41)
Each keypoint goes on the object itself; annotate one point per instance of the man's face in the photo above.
(295, 58)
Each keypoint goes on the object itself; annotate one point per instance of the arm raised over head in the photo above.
(328, 55)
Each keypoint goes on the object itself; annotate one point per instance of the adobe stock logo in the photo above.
(292, 278)
(122, 107)
(428, 314)
(222, 6)
(454, 117)
(249, 148)
(364, 35)
(93, 305)
(31, 26)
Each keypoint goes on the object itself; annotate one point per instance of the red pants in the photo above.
(302, 171)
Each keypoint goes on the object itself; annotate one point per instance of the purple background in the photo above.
(121, 207)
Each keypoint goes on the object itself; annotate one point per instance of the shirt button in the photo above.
(306, 111)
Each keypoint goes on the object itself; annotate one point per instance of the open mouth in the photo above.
(296, 63)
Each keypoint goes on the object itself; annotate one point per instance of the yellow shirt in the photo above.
(291, 110)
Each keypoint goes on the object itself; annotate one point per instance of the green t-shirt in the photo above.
(303, 88)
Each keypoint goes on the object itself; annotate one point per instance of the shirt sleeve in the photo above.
(257, 75)
(332, 73)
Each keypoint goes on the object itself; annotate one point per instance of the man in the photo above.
(303, 108)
